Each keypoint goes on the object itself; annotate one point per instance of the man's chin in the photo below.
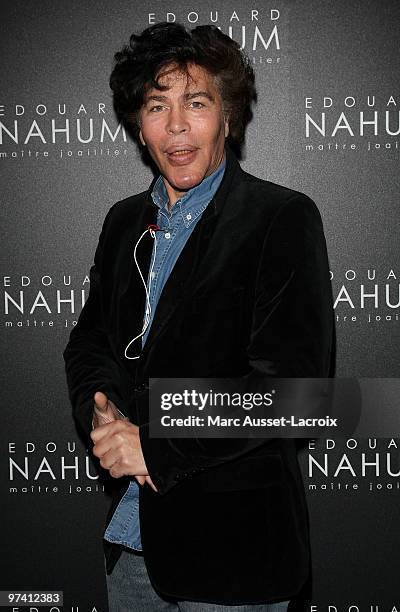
(185, 183)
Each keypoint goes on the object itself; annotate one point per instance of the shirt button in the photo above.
(152, 275)
(188, 217)
(140, 387)
(167, 235)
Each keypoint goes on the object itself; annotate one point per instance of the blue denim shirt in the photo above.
(179, 222)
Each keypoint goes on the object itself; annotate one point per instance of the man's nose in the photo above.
(177, 121)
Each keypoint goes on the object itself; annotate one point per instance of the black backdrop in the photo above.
(326, 123)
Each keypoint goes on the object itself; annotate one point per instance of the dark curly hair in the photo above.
(138, 64)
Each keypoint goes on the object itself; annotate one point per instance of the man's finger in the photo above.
(110, 429)
(151, 483)
(101, 401)
(102, 430)
(102, 439)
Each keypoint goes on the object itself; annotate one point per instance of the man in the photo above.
(233, 282)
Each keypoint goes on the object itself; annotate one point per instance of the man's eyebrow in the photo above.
(187, 96)
(196, 94)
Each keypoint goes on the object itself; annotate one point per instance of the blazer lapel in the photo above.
(132, 298)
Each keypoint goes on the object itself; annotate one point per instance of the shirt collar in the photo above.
(193, 202)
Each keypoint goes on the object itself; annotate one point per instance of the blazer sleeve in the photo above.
(89, 362)
(291, 335)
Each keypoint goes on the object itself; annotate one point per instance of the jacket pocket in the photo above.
(212, 329)
(217, 300)
(215, 316)
(247, 473)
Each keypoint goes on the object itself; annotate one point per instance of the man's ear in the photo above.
(141, 138)
(226, 122)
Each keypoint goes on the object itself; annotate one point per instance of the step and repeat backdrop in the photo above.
(326, 123)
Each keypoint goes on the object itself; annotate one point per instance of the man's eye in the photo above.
(195, 102)
(155, 107)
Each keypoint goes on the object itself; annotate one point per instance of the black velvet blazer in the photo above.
(250, 293)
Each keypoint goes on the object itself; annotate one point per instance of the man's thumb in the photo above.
(101, 401)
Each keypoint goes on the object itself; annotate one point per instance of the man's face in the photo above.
(187, 117)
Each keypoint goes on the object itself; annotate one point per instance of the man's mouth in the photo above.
(181, 156)
(183, 152)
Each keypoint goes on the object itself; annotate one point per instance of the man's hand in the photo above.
(117, 442)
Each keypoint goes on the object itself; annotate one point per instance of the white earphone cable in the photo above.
(147, 314)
